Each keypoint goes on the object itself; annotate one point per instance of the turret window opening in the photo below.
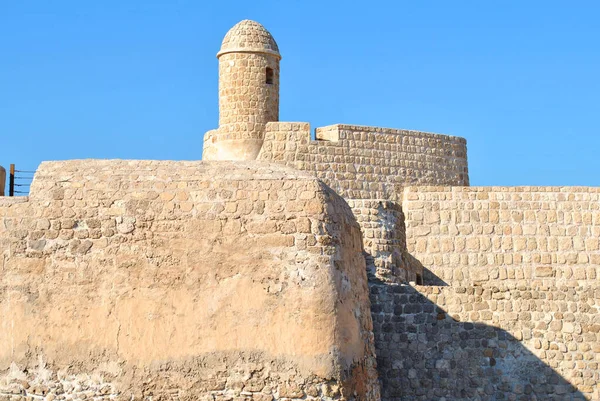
(269, 76)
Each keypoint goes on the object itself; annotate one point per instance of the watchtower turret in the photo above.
(248, 91)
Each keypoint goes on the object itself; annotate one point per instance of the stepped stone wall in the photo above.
(369, 167)
(511, 305)
(152, 280)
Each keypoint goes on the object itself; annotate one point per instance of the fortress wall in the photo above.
(384, 240)
(369, 167)
(499, 341)
(182, 281)
(473, 235)
(368, 162)
(516, 309)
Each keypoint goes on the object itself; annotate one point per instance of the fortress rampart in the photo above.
(371, 166)
(469, 236)
(356, 266)
(125, 278)
(511, 301)
(368, 162)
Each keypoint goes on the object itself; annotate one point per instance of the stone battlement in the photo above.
(368, 162)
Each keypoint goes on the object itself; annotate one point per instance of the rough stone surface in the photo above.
(368, 162)
(470, 236)
(502, 341)
(511, 302)
(372, 166)
(384, 240)
(182, 280)
(248, 93)
(248, 36)
(130, 280)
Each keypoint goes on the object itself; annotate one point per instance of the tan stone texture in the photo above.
(186, 278)
(467, 236)
(134, 280)
(371, 165)
(518, 265)
(248, 93)
(368, 162)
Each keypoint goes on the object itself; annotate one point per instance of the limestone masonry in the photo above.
(358, 265)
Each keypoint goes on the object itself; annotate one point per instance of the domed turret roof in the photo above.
(250, 37)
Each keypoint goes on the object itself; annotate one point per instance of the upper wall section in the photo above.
(368, 162)
(481, 235)
(125, 279)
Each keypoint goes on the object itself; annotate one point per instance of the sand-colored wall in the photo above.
(368, 162)
(472, 235)
(369, 167)
(182, 280)
(511, 305)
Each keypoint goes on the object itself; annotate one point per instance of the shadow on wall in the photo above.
(424, 354)
(429, 278)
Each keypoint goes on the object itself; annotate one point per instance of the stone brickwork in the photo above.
(371, 164)
(512, 341)
(368, 162)
(512, 309)
(248, 92)
(154, 280)
(360, 163)
(466, 236)
(384, 240)
(283, 278)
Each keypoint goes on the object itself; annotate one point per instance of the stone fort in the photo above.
(358, 265)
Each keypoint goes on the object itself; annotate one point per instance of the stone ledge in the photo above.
(11, 200)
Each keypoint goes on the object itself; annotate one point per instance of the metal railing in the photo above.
(19, 181)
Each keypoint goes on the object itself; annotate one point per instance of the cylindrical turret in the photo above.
(248, 91)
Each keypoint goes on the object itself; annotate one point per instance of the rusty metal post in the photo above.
(11, 181)
(2, 180)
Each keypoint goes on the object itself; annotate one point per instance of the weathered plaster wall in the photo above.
(182, 280)
(368, 162)
(512, 306)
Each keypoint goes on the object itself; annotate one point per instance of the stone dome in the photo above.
(250, 37)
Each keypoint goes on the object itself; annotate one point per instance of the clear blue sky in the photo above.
(138, 79)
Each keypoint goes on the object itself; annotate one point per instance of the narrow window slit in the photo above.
(269, 76)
